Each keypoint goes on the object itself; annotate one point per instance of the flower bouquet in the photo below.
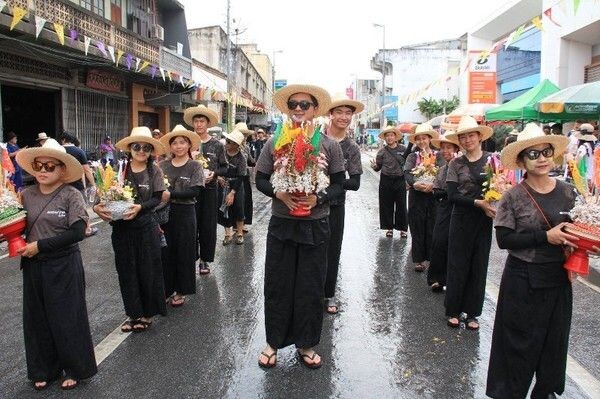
(496, 182)
(586, 218)
(114, 191)
(13, 219)
(299, 166)
(426, 169)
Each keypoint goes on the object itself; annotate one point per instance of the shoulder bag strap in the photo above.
(536, 205)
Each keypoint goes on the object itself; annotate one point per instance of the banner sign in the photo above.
(102, 80)
(482, 78)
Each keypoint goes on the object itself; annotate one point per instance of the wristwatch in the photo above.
(321, 197)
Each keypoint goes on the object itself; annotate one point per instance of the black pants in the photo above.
(248, 203)
(294, 277)
(206, 215)
(421, 218)
(336, 225)
(470, 239)
(139, 266)
(235, 211)
(439, 246)
(531, 336)
(179, 256)
(55, 320)
(392, 203)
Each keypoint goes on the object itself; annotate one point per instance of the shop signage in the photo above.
(482, 78)
(103, 80)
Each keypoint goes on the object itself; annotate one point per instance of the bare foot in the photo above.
(268, 357)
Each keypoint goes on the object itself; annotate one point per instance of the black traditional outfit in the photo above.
(296, 257)
(421, 210)
(533, 317)
(392, 188)
(248, 202)
(137, 248)
(55, 319)
(470, 238)
(436, 273)
(207, 201)
(236, 170)
(337, 212)
(179, 256)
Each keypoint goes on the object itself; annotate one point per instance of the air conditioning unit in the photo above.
(158, 32)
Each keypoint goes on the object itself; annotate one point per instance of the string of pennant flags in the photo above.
(119, 57)
(504, 43)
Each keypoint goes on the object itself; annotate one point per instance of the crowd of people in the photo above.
(204, 182)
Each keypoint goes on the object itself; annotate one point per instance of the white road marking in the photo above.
(110, 343)
(585, 282)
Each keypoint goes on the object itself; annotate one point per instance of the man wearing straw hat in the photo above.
(341, 111)
(200, 118)
(41, 138)
(296, 256)
(250, 162)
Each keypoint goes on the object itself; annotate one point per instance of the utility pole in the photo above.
(230, 103)
(382, 117)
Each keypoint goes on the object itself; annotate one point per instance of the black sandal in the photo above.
(437, 287)
(68, 387)
(268, 364)
(127, 326)
(472, 320)
(140, 325)
(40, 387)
(313, 366)
(389, 233)
(452, 324)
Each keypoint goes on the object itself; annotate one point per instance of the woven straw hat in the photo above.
(242, 127)
(588, 137)
(443, 138)
(388, 130)
(281, 97)
(530, 136)
(140, 134)
(586, 127)
(42, 136)
(423, 128)
(180, 131)
(51, 149)
(468, 124)
(236, 136)
(190, 113)
(341, 101)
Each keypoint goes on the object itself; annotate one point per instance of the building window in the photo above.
(95, 6)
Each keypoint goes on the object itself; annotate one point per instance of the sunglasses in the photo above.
(47, 166)
(532, 155)
(304, 105)
(142, 147)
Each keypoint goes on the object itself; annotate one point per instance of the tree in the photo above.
(430, 107)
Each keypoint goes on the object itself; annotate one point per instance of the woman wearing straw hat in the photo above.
(233, 199)
(185, 177)
(436, 273)
(392, 186)
(470, 234)
(584, 157)
(136, 239)
(421, 206)
(533, 316)
(340, 112)
(296, 256)
(200, 118)
(246, 151)
(55, 320)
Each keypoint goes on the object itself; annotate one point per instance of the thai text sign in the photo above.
(102, 80)
(482, 78)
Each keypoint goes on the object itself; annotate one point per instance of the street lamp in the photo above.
(382, 117)
(273, 69)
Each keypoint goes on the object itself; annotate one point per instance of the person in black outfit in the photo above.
(212, 154)
(341, 111)
(533, 316)
(436, 273)
(470, 235)
(392, 186)
(247, 151)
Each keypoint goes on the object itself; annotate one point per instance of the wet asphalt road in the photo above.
(389, 340)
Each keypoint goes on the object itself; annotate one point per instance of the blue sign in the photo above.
(391, 114)
(280, 83)
(372, 135)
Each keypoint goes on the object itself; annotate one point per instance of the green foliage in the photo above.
(500, 135)
(430, 107)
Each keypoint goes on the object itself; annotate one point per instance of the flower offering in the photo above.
(12, 215)
(114, 190)
(426, 169)
(497, 181)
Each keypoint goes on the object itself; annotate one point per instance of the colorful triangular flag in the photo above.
(60, 32)
(537, 22)
(102, 47)
(576, 6)
(137, 64)
(128, 60)
(548, 13)
(144, 65)
(73, 35)
(86, 44)
(2, 4)
(111, 52)
(119, 55)
(18, 14)
(39, 25)
(162, 73)
(153, 71)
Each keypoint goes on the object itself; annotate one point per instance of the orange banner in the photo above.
(482, 87)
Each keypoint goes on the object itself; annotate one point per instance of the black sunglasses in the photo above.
(142, 147)
(304, 105)
(532, 155)
(47, 166)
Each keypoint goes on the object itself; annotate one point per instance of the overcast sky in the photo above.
(331, 42)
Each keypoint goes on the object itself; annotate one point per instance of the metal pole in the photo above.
(383, 84)
(230, 104)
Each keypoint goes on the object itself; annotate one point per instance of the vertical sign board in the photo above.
(280, 83)
(482, 78)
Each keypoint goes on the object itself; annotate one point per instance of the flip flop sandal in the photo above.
(127, 326)
(227, 240)
(313, 366)
(419, 267)
(389, 233)
(144, 325)
(437, 287)
(68, 387)
(268, 364)
(176, 303)
(452, 324)
(40, 387)
(331, 303)
(239, 240)
(403, 234)
(472, 320)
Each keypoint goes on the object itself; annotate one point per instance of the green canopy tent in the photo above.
(523, 107)
(572, 103)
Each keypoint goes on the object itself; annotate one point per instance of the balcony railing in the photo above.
(93, 26)
(172, 61)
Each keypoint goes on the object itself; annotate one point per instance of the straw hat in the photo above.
(588, 137)
(51, 149)
(281, 97)
(530, 136)
(388, 130)
(242, 127)
(180, 131)
(42, 136)
(343, 101)
(514, 132)
(423, 128)
(190, 113)
(586, 127)
(443, 138)
(236, 136)
(140, 134)
(468, 124)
